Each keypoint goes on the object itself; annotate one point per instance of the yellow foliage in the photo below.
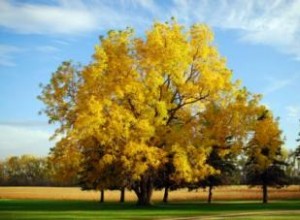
(143, 99)
(266, 142)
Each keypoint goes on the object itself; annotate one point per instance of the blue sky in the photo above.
(260, 40)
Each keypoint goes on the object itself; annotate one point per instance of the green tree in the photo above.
(225, 166)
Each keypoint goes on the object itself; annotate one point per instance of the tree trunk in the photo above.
(101, 195)
(166, 194)
(265, 193)
(210, 188)
(143, 190)
(122, 196)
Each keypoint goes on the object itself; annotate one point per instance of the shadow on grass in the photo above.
(53, 205)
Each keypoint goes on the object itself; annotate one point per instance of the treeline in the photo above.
(29, 170)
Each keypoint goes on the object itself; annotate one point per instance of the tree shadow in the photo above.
(59, 205)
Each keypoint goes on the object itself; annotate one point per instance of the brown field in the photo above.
(74, 193)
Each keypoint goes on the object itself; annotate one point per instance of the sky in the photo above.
(260, 40)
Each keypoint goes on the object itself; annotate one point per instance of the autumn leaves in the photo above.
(145, 103)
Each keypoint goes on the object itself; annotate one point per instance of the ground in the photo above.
(77, 206)
(63, 209)
(220, 193)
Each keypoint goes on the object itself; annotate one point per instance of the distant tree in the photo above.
(292, 170)
(297, 151)
(265, 162)
(3, 174)
(297, 154)
(294, 161)
(239, 176)
(25, 170)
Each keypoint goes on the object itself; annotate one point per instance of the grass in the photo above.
(71, 203)
(53, 209)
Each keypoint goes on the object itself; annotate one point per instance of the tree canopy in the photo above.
(144, 102)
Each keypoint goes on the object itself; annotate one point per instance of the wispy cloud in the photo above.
(275, 84)
(47, 49)
(9, 52)
(273, 23)
(61, 42)
(24, 123)
(6, 54)
(74, 17)
(293, 113)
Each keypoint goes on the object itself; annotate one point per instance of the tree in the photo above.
(265, 158)
(59, 97)
(109, 173)
(64, 162)
(163, 179)
(225, 124)
(225, 166)
(25, 170)
(291, 169)
(2, 173)
(139, 101)
(297, 154)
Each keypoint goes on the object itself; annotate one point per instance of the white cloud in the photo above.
(73, 17)
(293, 112)
(6, 54)
(17, 140)
(47, 49)
(274, 23)
(62, 18)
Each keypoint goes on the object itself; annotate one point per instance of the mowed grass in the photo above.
(52, 209)
(237, 202)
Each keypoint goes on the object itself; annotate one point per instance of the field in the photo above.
(220, 193)
(71, 203)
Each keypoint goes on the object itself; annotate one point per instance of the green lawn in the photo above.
(49, 209)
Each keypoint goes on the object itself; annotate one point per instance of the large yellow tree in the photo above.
(141, 103)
